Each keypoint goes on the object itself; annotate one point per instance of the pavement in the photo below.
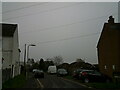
(31, 82)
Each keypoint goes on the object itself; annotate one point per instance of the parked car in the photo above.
(93, 76)
(52, 69)
(34, 70)
(62, 72)
(39, 74)
(76, 72)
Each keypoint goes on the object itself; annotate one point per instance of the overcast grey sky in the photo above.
(69, 29)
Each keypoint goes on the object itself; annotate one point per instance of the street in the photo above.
(52, 81)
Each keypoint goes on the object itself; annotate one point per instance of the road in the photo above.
(52, 81)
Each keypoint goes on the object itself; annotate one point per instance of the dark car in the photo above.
(93, 76)
(34, 70)
(76, 72)
(62, 72)
(39, 74)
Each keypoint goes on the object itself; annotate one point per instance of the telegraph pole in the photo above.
(25, 61)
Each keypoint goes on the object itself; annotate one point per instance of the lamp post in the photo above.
(27, 57)
(25, 61)
(28, 50)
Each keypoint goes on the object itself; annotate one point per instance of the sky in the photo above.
(67, 29)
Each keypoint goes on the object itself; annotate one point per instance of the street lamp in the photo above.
(27, 56)
(28, 50)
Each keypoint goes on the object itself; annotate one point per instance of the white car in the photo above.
(62, 72)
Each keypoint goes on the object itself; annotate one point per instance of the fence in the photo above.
(6, 74)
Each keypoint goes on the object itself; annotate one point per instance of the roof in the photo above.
(113, 26)
(8, 29)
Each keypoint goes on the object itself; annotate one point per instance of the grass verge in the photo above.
(16, 82)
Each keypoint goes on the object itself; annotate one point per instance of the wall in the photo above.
(11, 56)
(0, 62)
(6, 74)
(7, 45)
(16, 53)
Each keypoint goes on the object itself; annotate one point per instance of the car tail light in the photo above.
(84, 73)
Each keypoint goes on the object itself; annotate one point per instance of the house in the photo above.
(10, 51)
(0, 60)
(108, 48)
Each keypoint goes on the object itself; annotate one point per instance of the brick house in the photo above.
(108, 48)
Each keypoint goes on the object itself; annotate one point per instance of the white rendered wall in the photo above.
(16, 53)
(7, 45)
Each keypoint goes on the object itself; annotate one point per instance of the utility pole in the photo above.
(28, 53)
(25, 61)
(26, 71)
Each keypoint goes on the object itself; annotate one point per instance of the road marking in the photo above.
(38, 86)
(40, 83)
(74, 82)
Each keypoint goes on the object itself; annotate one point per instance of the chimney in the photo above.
(111, 20)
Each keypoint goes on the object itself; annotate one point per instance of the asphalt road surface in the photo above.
(52, 81)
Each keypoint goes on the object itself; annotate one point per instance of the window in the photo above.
(113, 66)
(105, 67)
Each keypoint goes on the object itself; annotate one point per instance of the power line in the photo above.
(47, 11)
(23, 7)
(43, 11)
(52, 28)
(69, 38)
(65, 39)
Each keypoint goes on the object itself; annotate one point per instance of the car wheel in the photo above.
(86, 80)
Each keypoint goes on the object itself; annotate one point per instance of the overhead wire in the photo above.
(9, 11)
(44, 29)
(69, 38)
(45, 11)
(42, 11)
(64, 25)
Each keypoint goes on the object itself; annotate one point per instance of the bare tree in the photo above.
(58, 60)
(42, 64)
(79, 60)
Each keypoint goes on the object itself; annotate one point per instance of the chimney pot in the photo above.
(111, 20)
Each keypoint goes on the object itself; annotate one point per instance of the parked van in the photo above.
(52, 69)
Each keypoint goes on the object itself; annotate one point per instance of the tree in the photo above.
(49, 59)
(47, 64)
(31, 61)
(79, 60)
(64, 65)
(41, 64)
(58, 60)
(35, 66)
